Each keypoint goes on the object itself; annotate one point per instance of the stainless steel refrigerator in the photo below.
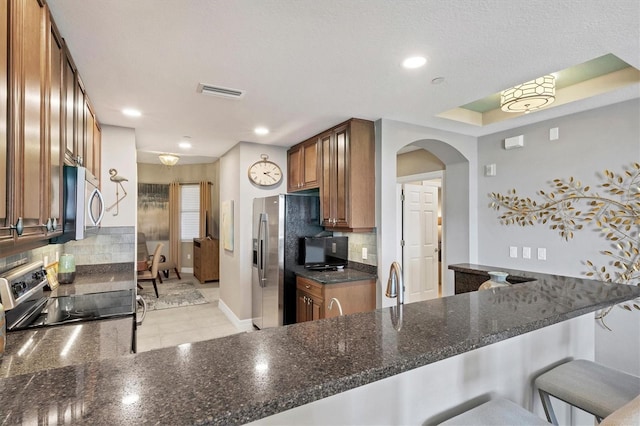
(279, 222)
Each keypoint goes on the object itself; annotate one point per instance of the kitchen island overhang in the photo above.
(249, 376)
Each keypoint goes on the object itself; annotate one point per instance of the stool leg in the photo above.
(178, 274)
(548, 409)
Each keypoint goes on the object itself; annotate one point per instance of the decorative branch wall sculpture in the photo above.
(570, 206)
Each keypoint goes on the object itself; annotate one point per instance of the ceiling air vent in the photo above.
(225, 92)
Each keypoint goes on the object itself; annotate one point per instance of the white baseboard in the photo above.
(244, 325)
(187, 270)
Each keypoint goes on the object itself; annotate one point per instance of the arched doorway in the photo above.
(458, 153)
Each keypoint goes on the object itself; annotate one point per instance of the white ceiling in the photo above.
(307, 65)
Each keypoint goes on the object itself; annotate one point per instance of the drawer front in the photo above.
(309, 286)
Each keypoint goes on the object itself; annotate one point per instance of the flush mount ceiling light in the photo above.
(414, 62)
(261, 131)
(168, 159)
(130, 112)
(529, 96)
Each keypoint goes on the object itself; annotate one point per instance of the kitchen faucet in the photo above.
(333, 299)
(395, 288)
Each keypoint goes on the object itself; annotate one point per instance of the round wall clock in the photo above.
(265, 172)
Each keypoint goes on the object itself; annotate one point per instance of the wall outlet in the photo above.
(333, 247)
(513, 252)
(526, 252)
(188, 255)
(542, 253)
(554, 134)
(364, 253)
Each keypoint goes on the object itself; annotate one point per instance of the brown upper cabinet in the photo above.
(303, 166)
(26, 178)
(38, 113)
(347, 191)
(341, 163)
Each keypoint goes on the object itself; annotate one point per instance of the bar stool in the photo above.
(587, 385)
(496, 412)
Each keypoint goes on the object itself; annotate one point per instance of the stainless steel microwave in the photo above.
(83, 204)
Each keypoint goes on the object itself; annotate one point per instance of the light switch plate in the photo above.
(513, 252)
(526, 252)
(554, 134)
(542, 253)
(333, 247)
(364, 253)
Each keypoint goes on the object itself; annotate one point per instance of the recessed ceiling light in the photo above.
(130, 112)
(261, 131)
(414, 62)
(184, 145)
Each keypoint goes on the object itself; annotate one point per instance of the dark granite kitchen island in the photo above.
(249, 376)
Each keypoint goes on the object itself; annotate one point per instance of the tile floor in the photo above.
(175, 326)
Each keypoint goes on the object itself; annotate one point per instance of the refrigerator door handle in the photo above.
(262, 248)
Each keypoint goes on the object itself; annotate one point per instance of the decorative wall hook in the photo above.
(117, 179)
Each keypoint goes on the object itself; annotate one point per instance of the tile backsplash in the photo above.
(358, 241)
(111, 245)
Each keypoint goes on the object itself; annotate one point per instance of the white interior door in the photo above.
(420, 235)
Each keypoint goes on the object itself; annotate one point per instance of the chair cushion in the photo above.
(496, 412)
(590, 386)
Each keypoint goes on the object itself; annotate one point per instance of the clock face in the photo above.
(265, 173)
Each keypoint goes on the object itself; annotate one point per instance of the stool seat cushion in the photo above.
(496, 412)
(589, 386)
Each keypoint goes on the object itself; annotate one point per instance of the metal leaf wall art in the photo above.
(570, 206)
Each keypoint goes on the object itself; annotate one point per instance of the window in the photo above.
(189, 212)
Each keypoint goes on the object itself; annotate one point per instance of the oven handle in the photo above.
(140, 300)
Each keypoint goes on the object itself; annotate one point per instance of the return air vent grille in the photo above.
(225, 92)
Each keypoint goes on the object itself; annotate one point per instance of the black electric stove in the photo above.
(29, 307)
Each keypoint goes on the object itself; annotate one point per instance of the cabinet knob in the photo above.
(307, 286)
(19, 226)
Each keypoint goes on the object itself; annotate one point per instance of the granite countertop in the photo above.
(245, 377)
(45, 348)
(332, 277)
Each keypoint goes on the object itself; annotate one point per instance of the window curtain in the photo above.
(205, 208)
(174, 223)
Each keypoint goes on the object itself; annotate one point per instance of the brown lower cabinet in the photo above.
(313, 298)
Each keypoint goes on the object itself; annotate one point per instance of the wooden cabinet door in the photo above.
(6, 234)
(27, 122)
(316, 309)
(301, 307)
(79, 123)
(56, 157)
(340, 173)
(68, 110)
(303, 166)
(334, 194)
(294, 170)
(327, 190)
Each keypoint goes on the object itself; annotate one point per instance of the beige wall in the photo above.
(236, 266)
(186, 173)
(416, 162)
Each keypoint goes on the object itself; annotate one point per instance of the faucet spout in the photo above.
(395, 284)
(333, 299)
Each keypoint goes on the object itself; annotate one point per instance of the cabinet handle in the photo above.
(19, 226)
(55, 224)
(48, 226)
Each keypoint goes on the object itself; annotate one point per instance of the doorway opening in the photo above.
(419, 189)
